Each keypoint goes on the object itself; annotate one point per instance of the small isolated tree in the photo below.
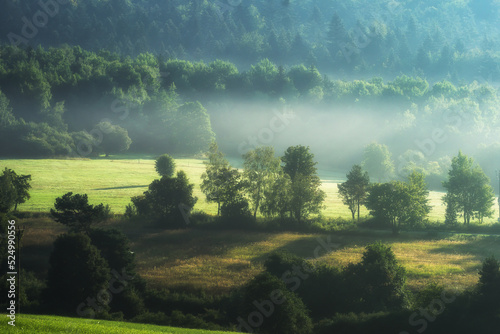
(75, 212)
(377, 161)
(115, 139)
(261, 168)
(378, 282)
(165, 165)
(469, 190)
(399, 203)
(355, 189)
(7, 192)
(77, 272)
(306, 197)
(14, 189)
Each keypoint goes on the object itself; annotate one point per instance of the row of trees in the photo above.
(397, 203)
(276, 187)
(69, 99)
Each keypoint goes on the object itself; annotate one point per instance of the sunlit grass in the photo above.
(114, 181)
(108, 181)
(218, 261)
(38, 324)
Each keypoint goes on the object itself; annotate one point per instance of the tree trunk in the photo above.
(358, 211)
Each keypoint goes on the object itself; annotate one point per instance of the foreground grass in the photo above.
(27, 323)
(114, 181)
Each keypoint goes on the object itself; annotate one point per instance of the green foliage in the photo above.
(489, 284)
(378, 282)
(278, 197)
(166, 199)
(288, 316)
(236, 212)
(165, 165)
(306, 196)
(468, 191)
(75, 212)
(192, 128)
(377, 161)
(115, 249)
(13, 190)
(355, 189)
(220, 182)
(261, 168)
(399, 203)
(115, 139)
(298, 160)
(76, 272)
(279, 263)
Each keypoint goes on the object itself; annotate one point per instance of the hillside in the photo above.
(351, 38)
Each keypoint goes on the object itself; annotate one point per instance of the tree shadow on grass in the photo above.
(124, 187)
(477, 247)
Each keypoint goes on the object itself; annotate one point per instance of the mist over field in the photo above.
(259, 166)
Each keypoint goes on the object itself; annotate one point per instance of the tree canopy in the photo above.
(469, 192)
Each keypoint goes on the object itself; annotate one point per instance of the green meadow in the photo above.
(219, 261)
(113, 181)
(41, 324)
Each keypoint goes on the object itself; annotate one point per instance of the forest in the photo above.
(438, 39)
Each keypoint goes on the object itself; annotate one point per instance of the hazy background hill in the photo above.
(350, 38)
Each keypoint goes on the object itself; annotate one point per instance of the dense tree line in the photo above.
(365, 37)
(73, 102)
(64, 100)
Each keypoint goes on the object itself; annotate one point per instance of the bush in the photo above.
(378, 282)
(281, 311)
(279, 263)
(236, 213)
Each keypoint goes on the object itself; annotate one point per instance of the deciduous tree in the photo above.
(306, 196)
(399, 203)
(261, 168)
(377, 161)
(355, 189)
(468, 190)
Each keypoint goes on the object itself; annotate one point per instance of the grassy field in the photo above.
(114, 181)
(38, 324)
(219, 261)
